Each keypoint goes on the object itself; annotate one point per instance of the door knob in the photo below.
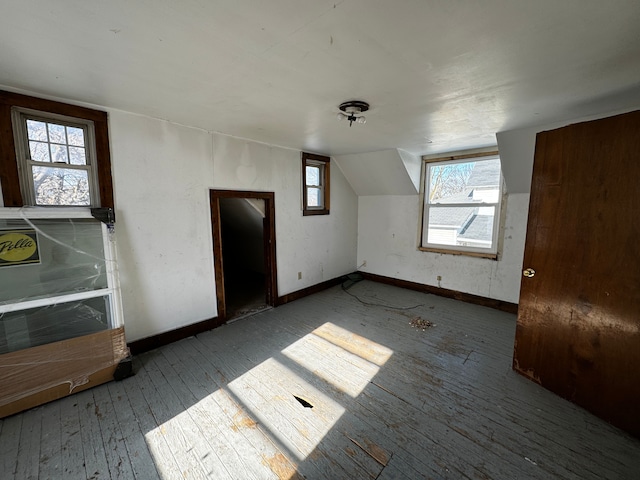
(529, 272)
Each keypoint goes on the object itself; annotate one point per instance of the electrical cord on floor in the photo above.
(354, 278)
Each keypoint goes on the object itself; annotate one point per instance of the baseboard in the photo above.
(318, 287)
(444, 292)
(149, 343)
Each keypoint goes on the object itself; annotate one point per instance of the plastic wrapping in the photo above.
(40, 374)
(60, 323)
(41, 301)
(53, 323)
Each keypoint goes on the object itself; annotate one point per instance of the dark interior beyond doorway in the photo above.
(242, 221)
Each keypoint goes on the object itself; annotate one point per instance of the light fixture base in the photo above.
(354, 106)
(351, 109)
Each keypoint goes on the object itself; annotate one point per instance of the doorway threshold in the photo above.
(248, 312)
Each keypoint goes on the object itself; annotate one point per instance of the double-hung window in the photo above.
(461, 204)
(315, 184)
(53, 154)
(56, 156)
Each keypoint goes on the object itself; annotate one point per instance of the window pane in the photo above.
(75, 136)
(61, 186)
(461, 226)
(39, 151)
(477, 181)
(57, 133)
(37, 130)
(59, 154)
(77, 156)
(71, 254)
(313, 176)
(314, 199)
(53, 323)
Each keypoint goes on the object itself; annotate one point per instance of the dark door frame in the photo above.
(269, 233)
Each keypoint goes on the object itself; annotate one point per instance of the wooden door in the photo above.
(578, 331)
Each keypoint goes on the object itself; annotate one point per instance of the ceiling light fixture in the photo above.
(353, 110)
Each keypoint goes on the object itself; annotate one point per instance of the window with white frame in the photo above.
(461, 207)
(56, 157)
(315, 184)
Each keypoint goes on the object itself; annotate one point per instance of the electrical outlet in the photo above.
(439, 277)
(364, 263)
(299, 275)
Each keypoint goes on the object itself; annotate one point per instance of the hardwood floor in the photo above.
(384, 400)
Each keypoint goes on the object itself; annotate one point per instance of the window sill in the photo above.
(315, 212)
(492, 256)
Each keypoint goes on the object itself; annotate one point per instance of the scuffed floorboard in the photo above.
(327, 387)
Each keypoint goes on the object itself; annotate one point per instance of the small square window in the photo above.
(315, 184)
(461, 207)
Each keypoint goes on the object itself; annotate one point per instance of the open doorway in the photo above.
(243, 229)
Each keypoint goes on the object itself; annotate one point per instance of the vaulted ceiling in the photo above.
(439, 74)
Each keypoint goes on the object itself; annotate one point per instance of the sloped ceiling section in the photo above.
(387, 172)
(247, 216)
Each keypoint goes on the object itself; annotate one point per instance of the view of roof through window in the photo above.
(462, 201)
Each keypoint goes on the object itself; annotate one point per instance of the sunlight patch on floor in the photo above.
(345, 360)
(268, 391)
(280, 400)
(356, 344)
(162, 440)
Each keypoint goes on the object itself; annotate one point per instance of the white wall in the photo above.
(387, 241)
(517, 149)
(162, 173)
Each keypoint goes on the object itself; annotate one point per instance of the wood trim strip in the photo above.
(155, 341)
(306, 212)
(463, 156)
(444, 292)
(218, 193)
(298, 294)
(8, 165)
(492, 256)
(9, 178)
(53, 106)
(271, 259)
(316, 157)
(103, 160)
(149, 343)
(216, 235)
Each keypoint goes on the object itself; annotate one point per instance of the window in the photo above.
(55, 159)
(461, 206)
(315, 184)
(53, 154)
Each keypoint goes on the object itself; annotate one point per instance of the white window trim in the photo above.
(453, 158)
(112, 292)
(19, 116)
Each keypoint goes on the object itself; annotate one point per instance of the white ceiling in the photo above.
(440, 75)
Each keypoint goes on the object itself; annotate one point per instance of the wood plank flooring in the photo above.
(384, 401)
